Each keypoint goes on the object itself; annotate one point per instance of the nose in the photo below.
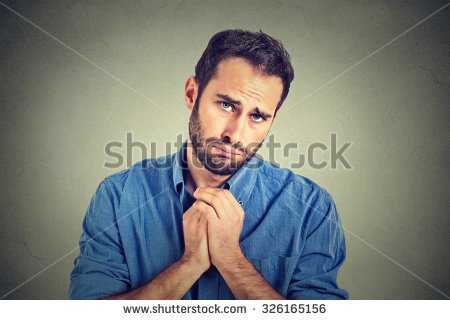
(234, 131)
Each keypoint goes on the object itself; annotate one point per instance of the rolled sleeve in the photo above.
(101, 269)
(323, 254)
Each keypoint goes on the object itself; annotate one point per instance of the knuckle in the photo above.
(215, 201)
(201, 205)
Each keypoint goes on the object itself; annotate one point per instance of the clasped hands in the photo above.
(212, 227)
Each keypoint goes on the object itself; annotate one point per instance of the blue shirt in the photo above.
(133, 230)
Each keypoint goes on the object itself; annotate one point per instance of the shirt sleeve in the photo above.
(323, 254)
(100, 270)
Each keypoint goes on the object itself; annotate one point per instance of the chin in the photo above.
(224, 168)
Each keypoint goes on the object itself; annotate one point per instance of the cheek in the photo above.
(213, 124)
(255, 139)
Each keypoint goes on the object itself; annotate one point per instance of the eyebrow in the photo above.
(228, 99)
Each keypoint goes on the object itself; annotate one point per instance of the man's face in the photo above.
(235, 112)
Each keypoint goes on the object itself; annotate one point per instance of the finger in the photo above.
(214, 201)
(210, 216)
(228, 200)
(204, 207)
(193, 214)
(233, 202)
(203, 223)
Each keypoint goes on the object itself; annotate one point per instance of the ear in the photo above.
(190, 92)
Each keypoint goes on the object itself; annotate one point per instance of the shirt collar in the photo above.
(179, 164)
(240, 184)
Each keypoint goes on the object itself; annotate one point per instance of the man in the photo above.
(213, 221)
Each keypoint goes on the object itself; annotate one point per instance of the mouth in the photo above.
(225, 152)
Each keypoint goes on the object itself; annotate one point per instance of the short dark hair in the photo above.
(262, 51)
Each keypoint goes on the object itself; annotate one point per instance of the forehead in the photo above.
(239, 79)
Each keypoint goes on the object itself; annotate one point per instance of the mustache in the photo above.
(224, 143)
(237, 148)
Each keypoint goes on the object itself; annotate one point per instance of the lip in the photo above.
(225, 152)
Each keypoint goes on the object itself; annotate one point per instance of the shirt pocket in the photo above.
(277, 270)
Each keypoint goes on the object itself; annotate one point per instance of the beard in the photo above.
(216, 163)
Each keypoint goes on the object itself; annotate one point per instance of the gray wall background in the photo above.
(58, 111)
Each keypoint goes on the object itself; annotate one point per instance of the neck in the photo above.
(197, 175)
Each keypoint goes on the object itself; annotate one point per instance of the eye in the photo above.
(257, 117)
(226, 106)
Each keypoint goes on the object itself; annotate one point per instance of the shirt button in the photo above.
(240, 202)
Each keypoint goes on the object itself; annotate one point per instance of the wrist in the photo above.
(194, 265)
(233, 260)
